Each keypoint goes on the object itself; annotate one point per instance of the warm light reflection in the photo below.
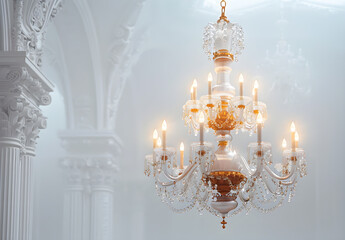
(155, 134)
(284, 144)
(259, 119)
(256, 84)
(296, 137)
(241, 79)
(159, 142)
(195, 83)
(210, 78)
(164, 126)
(181, 147)
(293, 127)
(201, 117)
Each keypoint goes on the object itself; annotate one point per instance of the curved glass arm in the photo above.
(290, 182)
(242, 196)
(253, 172)
(276, 176)
(185, 172)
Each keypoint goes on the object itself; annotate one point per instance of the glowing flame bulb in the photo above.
(195, 83)
(259, 119)
(201, 118)
(241, 79)
(191, 90)
(293, 127)
(164, 126)
(181, 147)
(256, 84)
(159, 142)
(284, 144)
(296, 137)
(155, 134)
(210, 78)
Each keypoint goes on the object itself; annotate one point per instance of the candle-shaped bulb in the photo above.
(259, 118)
(241, 79)
(210, 78)
(181, 147)
(159, 142)
(296, 137)
(191, 90)
(201, 117)
(284, 144)
(256, 84)
(293, 127)
(195, 83)
(155, 134)
(164, 126)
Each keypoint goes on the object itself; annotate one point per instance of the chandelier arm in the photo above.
(290, 182)
(252, 172)
(165, 184)
(269, 187)
(276, 176)
(185, 172)
(242, 197)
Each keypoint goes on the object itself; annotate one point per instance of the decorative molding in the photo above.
(30, 25)
(91, 157)
(123, 55)
(23, 89)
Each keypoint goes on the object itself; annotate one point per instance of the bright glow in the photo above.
(191, 90)
(195, 83)
(259, 119)
(284, 143)
(256, 84)
(296, 137)
(241, 79)
(159, 142)
(164, 126)
(253, 92)
(293, 127)
(155, 134)
(210, 78)
(201, 117)
(181, 147)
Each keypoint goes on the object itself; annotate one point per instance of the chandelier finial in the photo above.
(223, 222)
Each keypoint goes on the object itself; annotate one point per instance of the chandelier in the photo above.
(222, 181)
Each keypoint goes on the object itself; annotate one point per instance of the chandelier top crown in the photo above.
(223, 38)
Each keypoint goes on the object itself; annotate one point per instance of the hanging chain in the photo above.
(223, 17)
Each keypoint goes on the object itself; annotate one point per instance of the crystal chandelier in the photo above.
(222, 181)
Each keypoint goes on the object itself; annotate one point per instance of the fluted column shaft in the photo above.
(26, 197)
(102, 213)
(73, 213)
(9, 188)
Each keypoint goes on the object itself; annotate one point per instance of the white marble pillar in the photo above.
(102, 211)
(90, 166)
(26, 197)
(9, 188)
(23, 89)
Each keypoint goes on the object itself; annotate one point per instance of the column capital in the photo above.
(23, 88)
(91, 157)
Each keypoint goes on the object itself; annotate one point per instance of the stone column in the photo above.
(23, 89)
(90, 166)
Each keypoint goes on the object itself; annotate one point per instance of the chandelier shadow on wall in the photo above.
(222, 181)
